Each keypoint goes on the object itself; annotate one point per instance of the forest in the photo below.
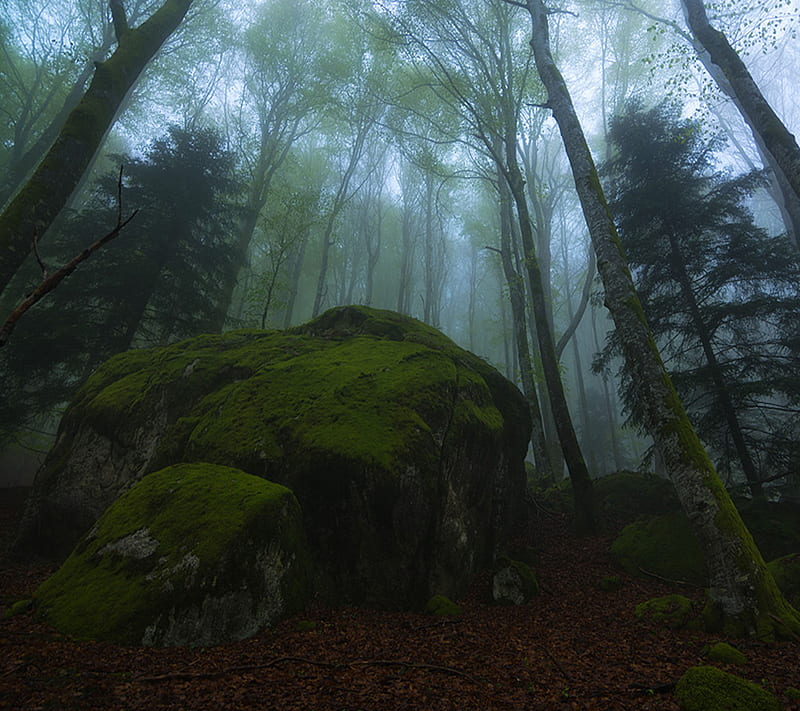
(314, 244)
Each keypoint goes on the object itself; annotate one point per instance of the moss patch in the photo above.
(786, 571)
(442, 606)
(707, 688)
(172, 541)
(626, 496)
(664, 545)
(724, 653)
(673, 611)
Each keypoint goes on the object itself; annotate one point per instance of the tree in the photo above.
(777, 139)
(47, 191)
(158, 283)
(743, 594)
(718, 291)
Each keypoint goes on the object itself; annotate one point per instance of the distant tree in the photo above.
(160, 281)
(46, 193)
(719, 293)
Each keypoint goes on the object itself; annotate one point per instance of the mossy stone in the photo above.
(195, 554)
(724, 653)
(20, 607)
(665, 546)
(786, 571)
(513, 582)
(443, 606)
(673, 611)
(405, 451)
(706, 688)
(627, 496)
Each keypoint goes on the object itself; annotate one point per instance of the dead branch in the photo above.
(53, 280)
(184, 675)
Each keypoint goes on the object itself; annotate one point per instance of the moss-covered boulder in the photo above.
(626, 496)
(786, 571)
(724, 653)
(513, 582)
(673, 611)
(195, 554)
(664, 546)
(405, 451)
(710, 689)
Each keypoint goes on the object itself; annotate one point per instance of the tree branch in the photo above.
(119, 18)
(51, 282)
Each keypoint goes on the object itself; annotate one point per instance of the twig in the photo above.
(51, 282)
(303, 660)
(685, 583)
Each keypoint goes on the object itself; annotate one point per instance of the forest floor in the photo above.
(572, 647)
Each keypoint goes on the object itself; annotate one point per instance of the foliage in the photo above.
(156, 283)
(707, 275)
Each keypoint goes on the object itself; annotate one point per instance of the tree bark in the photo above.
(743, 595)
(777, 140)
(41, 199)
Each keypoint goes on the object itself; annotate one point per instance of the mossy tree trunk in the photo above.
(759, 115)
(743, 594)
(41, 199)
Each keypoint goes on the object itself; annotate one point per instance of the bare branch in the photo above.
(51, 282)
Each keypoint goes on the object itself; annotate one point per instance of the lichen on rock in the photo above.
(194, 554)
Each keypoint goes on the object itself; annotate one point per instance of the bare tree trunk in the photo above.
(516, 289)
(743, 594)
(38, 203)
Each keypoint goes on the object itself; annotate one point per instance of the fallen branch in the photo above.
(184, 675)
(53, 280)
(685, 583)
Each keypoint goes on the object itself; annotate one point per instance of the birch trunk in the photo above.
(743, 596)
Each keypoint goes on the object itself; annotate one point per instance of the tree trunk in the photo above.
(759, 115)
(743, 594)
(582, 488)
(722, 392)
(41, 199)
(516, 290)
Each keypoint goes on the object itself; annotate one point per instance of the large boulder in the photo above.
(404, 451)
(195, 554)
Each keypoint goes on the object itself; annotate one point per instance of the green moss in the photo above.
(725, 654)
(306, 626)
(625, 496)
(611, 583)
(793, 693)
(442, 606)
(786, 572)
(673, 611)
(710, 689)
(170, 529)
(665, 546)
(19, 608)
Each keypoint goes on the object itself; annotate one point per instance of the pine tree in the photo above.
(720, 293)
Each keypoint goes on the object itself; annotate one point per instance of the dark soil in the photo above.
(573, 647)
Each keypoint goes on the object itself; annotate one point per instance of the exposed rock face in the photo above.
(404, 451)
(195, 554)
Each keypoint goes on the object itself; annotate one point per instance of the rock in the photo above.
(513, 583)
(404, 451)
(625, 496)
(664, 546)
(724, 653)
(710, 689)
(673, 611)
(786, 571)
(442, 606)
(195, 554)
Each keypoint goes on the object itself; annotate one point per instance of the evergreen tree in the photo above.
(161, 280)
(719, 293)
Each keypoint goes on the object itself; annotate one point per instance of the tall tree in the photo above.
(742, 592)
(718, 291)
(38, 203)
